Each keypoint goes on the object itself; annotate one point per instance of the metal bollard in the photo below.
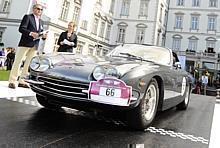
(217, 93)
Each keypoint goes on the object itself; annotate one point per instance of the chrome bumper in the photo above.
(34, 82)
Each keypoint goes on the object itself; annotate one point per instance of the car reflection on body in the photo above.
(138, 80)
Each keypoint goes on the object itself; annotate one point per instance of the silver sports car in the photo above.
(138, 80)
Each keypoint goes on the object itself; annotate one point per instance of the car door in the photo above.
(179, 80)
(170, 83)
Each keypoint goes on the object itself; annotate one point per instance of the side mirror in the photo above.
(177, 65)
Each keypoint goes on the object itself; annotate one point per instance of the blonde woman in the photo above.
(68, 39)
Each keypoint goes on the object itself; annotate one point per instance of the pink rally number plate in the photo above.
(110, 91)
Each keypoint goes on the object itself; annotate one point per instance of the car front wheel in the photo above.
(143, 115)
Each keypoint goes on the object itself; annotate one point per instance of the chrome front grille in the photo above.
(70, 89)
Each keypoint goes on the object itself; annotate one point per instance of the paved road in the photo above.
(23, 123)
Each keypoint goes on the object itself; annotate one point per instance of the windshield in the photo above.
(151, 53)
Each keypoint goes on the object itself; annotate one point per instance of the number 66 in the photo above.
(110, 92)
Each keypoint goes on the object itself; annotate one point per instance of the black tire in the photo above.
(44, 102)
(184, 104)
(141, 117)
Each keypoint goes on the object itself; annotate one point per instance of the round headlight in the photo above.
(40, 64)
(99, 73)
(111, 72)
(35, 63)
(44, 64)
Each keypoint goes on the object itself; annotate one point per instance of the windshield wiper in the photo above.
(132, 56)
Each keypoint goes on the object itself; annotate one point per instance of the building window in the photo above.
(104, 52)
(102, 29)
(140, 35)
(1, 36)
(98, 51)
(158, 39)
(213, 3)
(2, 30)
(76, 14)
(125, 7)
(56, 37)
(95, 26)
(112, 6)
(179, 22)
(5, 6)
(108, 31)
(143, 8)
(195, 3)
(65, 10)
(177, 42)
(208, 65)
(194, 22)
(165, 18)
(84, 24)
(210, 42)
(79, 49)
(193, 41)
(180, 2)
(212, 23)
(121, 34)
(91, 50)
(161, 12)
(163, 40)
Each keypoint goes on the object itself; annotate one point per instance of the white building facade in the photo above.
(193, 25)
(10, 19)
(101, 24)
(193, 31)
(94, 29)
(142, 21)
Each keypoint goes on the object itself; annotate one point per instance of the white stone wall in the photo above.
(90, 7)
(151, 21)
(88, 10)
(132, 20)
(203, 11)
(10, 21)
(11, 35)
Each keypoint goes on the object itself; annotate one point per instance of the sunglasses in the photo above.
(39, 9)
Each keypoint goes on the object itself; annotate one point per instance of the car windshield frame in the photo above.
(155, 54)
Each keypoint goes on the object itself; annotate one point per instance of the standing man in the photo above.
(31, 27)
(205, 81)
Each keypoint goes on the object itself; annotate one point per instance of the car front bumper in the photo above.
(73, 94)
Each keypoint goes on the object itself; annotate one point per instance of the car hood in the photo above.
(80, 68)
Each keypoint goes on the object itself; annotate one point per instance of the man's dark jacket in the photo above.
(28, 25)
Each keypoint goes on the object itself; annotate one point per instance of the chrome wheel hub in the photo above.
(150, 105)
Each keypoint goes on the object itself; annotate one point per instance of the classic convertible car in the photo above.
(138, 80)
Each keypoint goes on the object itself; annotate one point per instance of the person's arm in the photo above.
(74, 42)
(44, 37)
(23, 26)
(61, 38)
